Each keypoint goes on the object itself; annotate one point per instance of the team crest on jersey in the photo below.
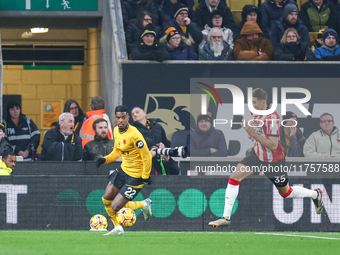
(118, 144)
(140, 144)
(124, 142)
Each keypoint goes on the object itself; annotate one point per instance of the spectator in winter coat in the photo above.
(61, 143)
(206, 7)
(148, 48)
(131, 8)
(216, 48)
(101, 145)
(271, 11)
(216, 20)
(7, 163)
(330, 50)
(290, 49)
(289, 19)
(185, 26)
(22, 133)
(178, 47)
(168, 8)
(249, 13)
(323, 143)
(319, 14)
(206, 140)
(252, 46)
(291, 137)
(136, 28)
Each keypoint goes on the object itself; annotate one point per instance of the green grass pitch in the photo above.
(21, 242)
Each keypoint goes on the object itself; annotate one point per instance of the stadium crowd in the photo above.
(209, 32)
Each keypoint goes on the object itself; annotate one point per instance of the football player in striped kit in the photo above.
(266, 155)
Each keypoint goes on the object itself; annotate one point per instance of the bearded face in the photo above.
(217, 48)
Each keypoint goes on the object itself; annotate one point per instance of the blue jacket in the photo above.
(25, 136)
(325, 53)
(271, 13)
(279, 27)
(206, 54)
(182, 52)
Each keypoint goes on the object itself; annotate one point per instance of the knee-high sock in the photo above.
(110, 211)
(300, 192)
(134, 205)
(231, 193)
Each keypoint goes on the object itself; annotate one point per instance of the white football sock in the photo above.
(300, 192)
(231, 193)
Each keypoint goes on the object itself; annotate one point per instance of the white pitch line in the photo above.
(278, 234)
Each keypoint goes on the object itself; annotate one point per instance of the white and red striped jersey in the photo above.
(267, 125)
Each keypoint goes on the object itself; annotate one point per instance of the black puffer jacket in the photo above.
(4, 145)
(156, 52)
(293, 51)
(200, 143)
(56, 148)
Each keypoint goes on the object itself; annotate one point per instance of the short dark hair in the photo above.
(97, 103)
(6, 153)
(326, 113)
(260, 94)
(94, 124)
(122, 108)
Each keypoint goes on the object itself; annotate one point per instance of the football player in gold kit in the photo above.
(127, 181)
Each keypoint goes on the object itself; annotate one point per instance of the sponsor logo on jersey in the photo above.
(140, 144)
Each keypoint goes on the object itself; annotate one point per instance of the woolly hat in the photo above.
(149, 29)
(180, 8)
(250, 28)
(204, 117)
(328, 32)
(170, 32)
(289, 8)
(289, 115)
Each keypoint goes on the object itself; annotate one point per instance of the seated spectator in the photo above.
(289, 20)
(148, 48)
(62, 143)
(271, 11)
(131, 8)
(7, 163)
(318, 14)
(73, 107)
(252, 46)
(206, 140)
(185, 26)
(319, 41)
(216, 48)
(290, 49)
(330, 50)
(249, 13)
(22, 133)
(206, 7)
(178, 47)
(291, 137)
(216, 20)
(167, 10)
(101, 145)
(97, 112)
(154, 135)
(136, 29)
(4, 143)
(323, 143)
